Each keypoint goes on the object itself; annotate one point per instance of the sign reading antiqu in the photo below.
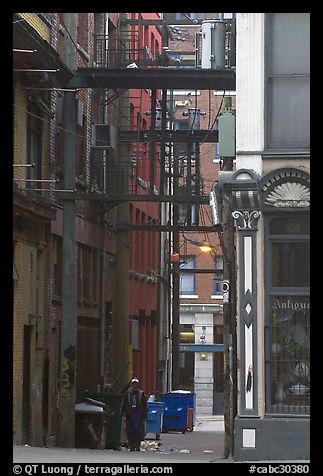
(288, 303)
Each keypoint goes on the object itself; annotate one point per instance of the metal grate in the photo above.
(290, 356)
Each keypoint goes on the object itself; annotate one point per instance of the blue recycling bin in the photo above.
(176, 411)
(155, 415)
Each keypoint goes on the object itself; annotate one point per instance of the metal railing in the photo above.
(118, 54)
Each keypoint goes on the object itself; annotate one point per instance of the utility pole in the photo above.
(176, 310)
(227, 328)
(66, 427)
(176, 265)
(227, 152)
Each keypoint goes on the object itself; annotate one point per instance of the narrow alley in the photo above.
(161, 237)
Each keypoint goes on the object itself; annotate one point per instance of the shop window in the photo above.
(288, 315)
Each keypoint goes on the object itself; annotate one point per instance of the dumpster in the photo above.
(179, 410)
(113, 402)
(91, 423)
(155, 418)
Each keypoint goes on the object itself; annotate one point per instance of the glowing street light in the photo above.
(205, 247)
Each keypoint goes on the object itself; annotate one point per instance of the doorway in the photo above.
(218, 373)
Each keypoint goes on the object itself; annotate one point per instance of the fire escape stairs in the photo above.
(128, 68)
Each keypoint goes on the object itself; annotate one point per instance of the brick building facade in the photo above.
(39, 133)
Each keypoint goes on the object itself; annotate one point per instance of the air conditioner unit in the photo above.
(104, 136)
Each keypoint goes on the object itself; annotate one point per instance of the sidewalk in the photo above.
(209, 423)
(202, 445)
(207, 437)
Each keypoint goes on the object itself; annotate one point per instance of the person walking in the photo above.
(134, 408)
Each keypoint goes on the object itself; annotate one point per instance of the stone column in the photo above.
(246, 222)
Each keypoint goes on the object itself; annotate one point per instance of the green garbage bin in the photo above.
(91, 423)
(113, 401)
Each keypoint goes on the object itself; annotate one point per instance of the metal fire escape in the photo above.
(123, 65)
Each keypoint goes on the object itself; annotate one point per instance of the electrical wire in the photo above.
(77, 134)
(209, 130)
(195, 110)
(51, 122)
(215, 119)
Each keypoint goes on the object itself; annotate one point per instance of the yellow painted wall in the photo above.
(28, 297)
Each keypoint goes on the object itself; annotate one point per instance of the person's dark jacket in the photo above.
(126, 408)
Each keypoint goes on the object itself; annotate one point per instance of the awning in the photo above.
(201, 348)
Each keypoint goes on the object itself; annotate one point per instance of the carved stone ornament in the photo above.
(289, 194)
(286, 188)
(246, 220)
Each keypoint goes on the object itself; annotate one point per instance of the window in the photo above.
(289, 264)
(288, 315)
(88, 280)
(288, 80)
(218, 276)
(187, 283)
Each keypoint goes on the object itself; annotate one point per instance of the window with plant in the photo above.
(288, 304)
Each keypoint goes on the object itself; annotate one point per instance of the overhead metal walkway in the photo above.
(154, 78)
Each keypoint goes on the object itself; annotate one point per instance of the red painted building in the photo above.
(145, 41)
